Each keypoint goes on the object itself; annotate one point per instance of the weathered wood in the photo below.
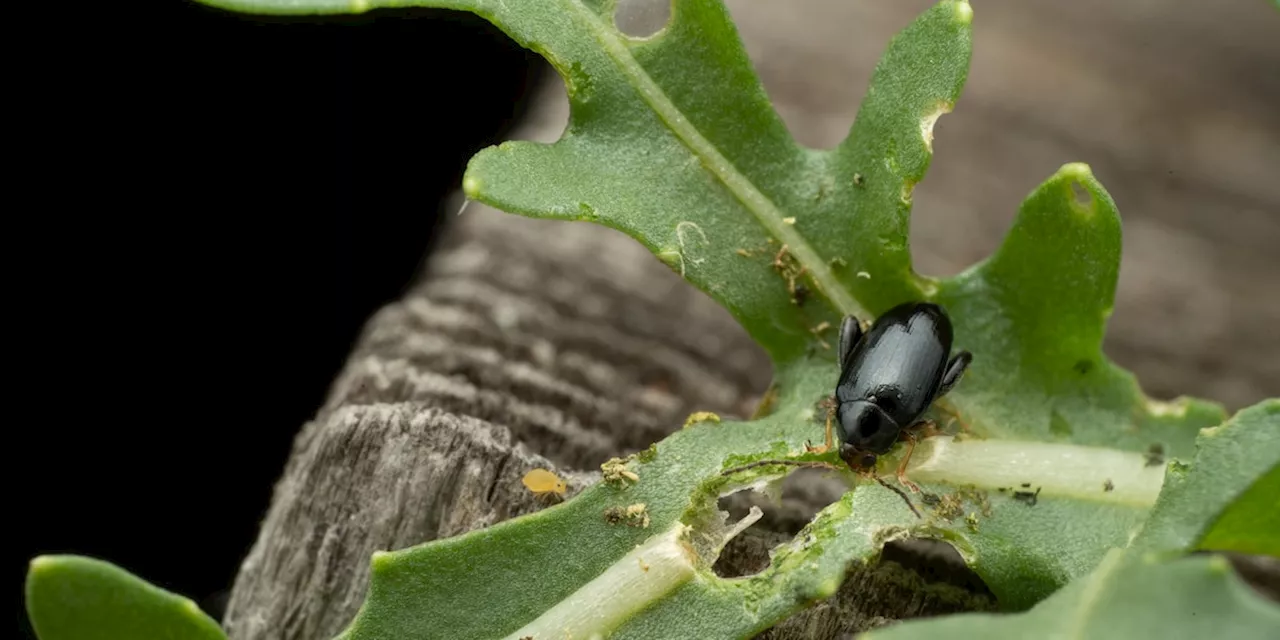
(510, 346)
(366, 478)
(559, 345)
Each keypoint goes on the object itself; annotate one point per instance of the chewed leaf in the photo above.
(1226, 498)
(672, 140)
(75, 598)
(1138, 591)
(886, 154)
(1195, 597)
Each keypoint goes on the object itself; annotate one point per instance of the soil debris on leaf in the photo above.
(615, 472)
(636, 515)
(700, 416)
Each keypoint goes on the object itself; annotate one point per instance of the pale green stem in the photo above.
(647, 573)
(669, 559)
(1061, 470)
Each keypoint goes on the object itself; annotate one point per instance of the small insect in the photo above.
(635, 515)
(545, 485)
(1028, 497)
(800, 295)
(972, 521)
(889, 377)
(1154, 455)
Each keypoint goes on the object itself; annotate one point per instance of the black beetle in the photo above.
(889, 377)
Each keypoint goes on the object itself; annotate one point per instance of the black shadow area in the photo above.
(213, 207)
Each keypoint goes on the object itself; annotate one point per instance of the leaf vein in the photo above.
(756, 202)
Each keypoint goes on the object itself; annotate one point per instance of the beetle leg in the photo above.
(826, 445)
(925, 429)
(955, 369)
(827, 441)
(947, 408)
(913, 435)
(932, 430)
(902, 466)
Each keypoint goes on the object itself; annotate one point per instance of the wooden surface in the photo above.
(533, 343)
(528, 344)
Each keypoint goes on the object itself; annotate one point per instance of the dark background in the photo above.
(219, 202)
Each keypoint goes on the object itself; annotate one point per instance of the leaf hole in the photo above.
(548, 118)
(929, 121)
(937, 562)
(788, 506)
(642, 18)
(1084, 199)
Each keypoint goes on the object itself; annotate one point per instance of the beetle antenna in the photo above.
(804, 464)
(901, 493)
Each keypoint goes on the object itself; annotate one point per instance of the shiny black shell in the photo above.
(899, 364)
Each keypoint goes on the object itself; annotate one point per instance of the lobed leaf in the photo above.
(1034, 315)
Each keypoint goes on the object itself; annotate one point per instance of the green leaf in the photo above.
(1197, 597)
(672, 140)
(1036, 313)
(1252, 523)
(1227, 499)
(77, 598)
(1139, 592)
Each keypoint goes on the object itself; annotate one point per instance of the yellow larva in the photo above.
(544, 484)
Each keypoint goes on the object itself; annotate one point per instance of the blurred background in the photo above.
(228, 199)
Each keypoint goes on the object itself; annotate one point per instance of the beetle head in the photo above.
(857, 459)
(866, 427)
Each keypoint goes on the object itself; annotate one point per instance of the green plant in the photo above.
(673, 141)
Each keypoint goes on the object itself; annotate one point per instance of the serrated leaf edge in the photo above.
(753, 200)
